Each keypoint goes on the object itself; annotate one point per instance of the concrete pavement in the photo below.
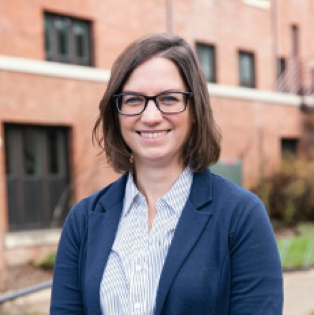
(299, 292)
(36, 303)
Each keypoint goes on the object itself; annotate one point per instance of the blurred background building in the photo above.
(55, 60)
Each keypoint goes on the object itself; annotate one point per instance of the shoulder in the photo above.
(220, 191)
(231, 192)
(235, 206)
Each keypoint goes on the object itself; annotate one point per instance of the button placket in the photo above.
(138, 279)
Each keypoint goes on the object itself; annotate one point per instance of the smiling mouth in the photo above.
(153, 134)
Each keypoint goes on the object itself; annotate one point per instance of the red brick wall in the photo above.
(252, 132)
(228, 24)
(249, 127)
(43, 100)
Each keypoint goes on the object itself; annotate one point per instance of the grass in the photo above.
(297, 251)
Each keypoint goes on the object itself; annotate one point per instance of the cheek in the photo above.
(126, 127)
(124, 124)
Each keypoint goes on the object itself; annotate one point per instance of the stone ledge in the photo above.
(32, 238)
(53, 69)
(261, 4)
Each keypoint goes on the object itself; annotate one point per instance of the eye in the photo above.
(132, 100)
(168, 99)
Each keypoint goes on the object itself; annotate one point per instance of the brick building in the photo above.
(55, 60)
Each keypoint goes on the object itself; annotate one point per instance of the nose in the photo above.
(151, 114)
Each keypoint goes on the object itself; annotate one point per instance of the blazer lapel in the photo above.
(193, 219)
(102, 226)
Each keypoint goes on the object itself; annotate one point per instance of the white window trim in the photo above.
(261, 4)
(32, 238)
(55, 69)
(255, 95)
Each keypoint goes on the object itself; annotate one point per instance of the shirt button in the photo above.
(138, 268)
(137, 305)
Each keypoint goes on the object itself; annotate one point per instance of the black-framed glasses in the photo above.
(167, 102)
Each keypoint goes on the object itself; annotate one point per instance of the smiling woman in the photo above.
(155, 138)
(169, 237)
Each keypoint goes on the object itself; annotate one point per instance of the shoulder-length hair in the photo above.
(202, 148)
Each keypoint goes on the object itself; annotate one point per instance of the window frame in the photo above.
(19, 182)
(54, 54)
(242, 83)
(213, 61)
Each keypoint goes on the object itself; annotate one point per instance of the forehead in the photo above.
(156, 74)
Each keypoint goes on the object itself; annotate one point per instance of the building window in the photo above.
(289, 147)
(281, 66)
(37, 176)
(207, 58)
(68, 40)
(246, 69)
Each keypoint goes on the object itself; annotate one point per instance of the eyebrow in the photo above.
(163, 91)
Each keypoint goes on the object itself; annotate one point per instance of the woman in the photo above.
(169, 237)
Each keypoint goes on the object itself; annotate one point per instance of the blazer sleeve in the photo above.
(66, 297)
(257, 282)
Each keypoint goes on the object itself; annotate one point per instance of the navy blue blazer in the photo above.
(223, 258)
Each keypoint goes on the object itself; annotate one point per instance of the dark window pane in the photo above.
(289, 147)
(10, 149)
(53, 155)
(81, 38)
(48, 31)
(30, 140)
(32, 198)
(281, 66)
(62, 27)
(246, 69)
(206, 56)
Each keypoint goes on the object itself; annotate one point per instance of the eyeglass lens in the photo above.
(131, 104)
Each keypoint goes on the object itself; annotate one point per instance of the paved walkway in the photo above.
(35, 303)
(299, 297)
(299, 292)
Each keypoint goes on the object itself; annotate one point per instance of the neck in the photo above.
(155, 182)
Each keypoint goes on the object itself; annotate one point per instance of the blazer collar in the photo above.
(113, 195)
(202, 189)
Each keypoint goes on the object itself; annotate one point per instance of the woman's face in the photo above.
(156, 138)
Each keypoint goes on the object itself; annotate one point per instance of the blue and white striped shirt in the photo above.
(131, 277)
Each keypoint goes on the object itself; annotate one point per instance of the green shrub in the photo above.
(288, 194)
(47, 263)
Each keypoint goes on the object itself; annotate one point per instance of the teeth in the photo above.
(153, 134)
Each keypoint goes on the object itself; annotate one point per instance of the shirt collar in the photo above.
(176, 197)
(131, 192)
(178, 194)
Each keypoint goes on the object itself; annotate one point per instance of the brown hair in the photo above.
(202, 147)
